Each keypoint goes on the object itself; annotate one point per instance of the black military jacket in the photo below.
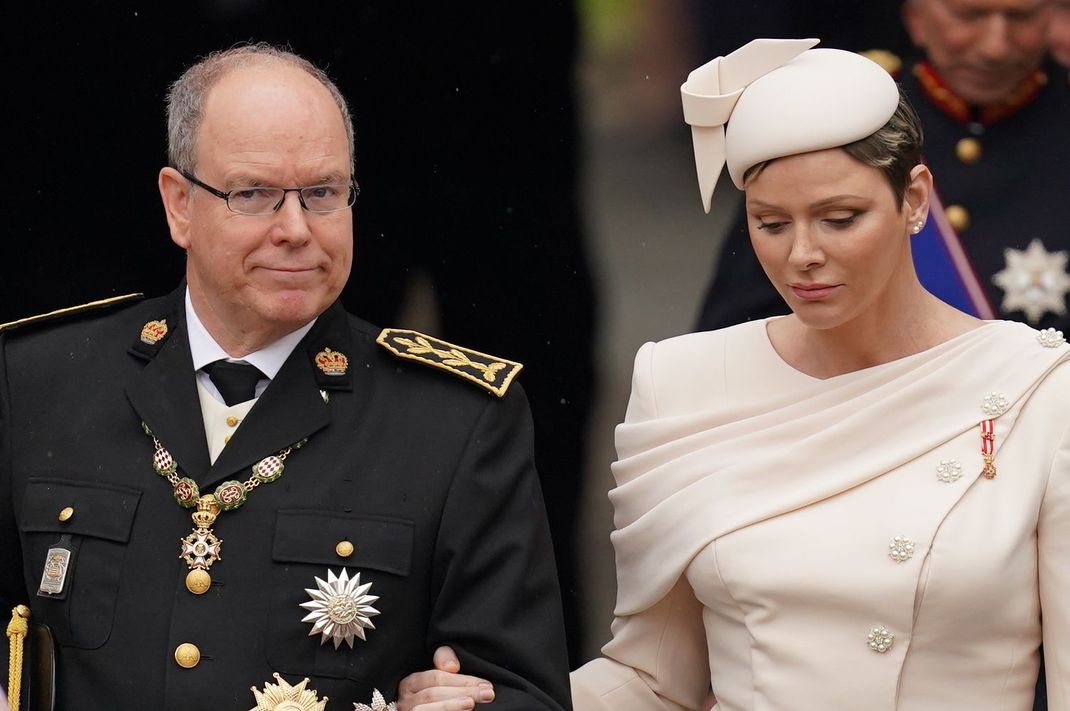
(430, 478)
(1014, 193)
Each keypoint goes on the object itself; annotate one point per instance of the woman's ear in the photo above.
(918, 194)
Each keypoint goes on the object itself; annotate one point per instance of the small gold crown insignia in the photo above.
(153, 331)
(332, 362)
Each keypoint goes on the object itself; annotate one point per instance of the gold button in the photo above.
(226, 439)
(344, 549)
(187, 655)
(66, 513)
(958, 217)
(232, 421)
(968, 150)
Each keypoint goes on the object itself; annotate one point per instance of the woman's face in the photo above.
(831, 236)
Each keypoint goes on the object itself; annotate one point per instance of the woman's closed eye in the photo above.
(842, 222)
(772, 226)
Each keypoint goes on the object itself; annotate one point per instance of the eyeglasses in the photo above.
(263, 200)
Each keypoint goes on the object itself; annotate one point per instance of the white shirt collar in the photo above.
(268, 359)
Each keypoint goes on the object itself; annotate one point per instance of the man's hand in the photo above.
(443, 688)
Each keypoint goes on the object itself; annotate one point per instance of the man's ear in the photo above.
(918, 194)
(175, 191)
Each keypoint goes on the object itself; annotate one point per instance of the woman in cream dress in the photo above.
(864, 504)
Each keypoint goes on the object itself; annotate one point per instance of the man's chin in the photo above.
(982, 90)
(293, 310)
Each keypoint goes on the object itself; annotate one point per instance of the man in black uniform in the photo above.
(240, 494)
(996, 140)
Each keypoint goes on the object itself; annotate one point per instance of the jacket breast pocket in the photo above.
(308, 544)
(92, 521)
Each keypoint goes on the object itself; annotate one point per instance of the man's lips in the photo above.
(814, 292)
(288, 270)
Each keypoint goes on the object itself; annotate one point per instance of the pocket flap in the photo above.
(99, 510)
(379, 542)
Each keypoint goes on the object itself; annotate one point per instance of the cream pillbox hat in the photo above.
(772, 98)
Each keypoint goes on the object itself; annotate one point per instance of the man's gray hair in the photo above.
(185, 100)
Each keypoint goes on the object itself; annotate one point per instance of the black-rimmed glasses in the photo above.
(263, 200)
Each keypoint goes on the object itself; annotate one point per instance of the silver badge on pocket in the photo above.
(340, 608)
(57, 562)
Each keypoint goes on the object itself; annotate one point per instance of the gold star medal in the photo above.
(340, 608)
(1034, 281)
(283, 697)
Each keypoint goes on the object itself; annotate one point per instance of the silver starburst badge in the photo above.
(340, 608)
(283, 697)
(1035, 281)
(378, 704)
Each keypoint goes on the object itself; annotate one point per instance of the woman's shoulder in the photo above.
(705, 348)
(690, 372)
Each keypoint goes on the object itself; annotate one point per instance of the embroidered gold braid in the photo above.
(16, 633)
(452, 357)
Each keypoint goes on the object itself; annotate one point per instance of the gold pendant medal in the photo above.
(201, 548)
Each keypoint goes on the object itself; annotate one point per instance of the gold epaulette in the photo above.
(489, 372)
(888, 61)
(71, 311)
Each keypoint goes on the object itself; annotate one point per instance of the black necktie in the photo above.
(236, 382)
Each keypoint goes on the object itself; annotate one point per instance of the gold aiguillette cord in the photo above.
(16, 634)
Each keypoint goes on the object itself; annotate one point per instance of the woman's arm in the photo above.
(656, 660)
(1053, 535)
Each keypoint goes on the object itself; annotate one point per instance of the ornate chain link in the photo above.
(231, 494)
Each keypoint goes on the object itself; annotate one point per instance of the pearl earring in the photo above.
(916, 227)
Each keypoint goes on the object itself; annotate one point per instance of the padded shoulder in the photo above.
(73, 312)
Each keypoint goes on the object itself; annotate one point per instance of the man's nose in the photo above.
(291, 221)
(994, 42)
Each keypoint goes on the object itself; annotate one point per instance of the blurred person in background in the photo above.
(1059, 32)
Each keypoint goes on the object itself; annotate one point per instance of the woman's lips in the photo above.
(814, 292)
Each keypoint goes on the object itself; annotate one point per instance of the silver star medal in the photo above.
(340, 608)
(1034, 281)
(378, 704)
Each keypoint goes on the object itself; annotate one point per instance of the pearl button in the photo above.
(880, 639)
(187, 655)
(344, 549)
(949, 470)
(66, 513)
(901, 549)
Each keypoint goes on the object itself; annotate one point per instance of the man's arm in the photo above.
(496, 599)
(12, 588)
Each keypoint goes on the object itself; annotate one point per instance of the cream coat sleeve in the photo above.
(657, 659)
(1053, 537)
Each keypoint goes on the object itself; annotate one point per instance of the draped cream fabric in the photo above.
(754, 510)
